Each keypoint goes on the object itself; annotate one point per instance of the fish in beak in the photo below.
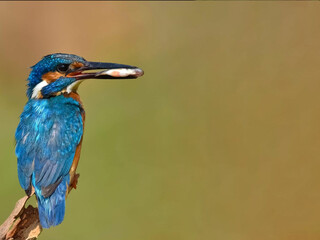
(107, 71)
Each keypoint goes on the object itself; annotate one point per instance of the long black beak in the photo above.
(110, 71)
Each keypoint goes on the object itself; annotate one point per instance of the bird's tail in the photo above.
(52, 208)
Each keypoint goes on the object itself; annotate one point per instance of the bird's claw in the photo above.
(74, 182)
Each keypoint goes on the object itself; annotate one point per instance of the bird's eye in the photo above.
(63, 67)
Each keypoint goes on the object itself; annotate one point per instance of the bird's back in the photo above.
(47, 137)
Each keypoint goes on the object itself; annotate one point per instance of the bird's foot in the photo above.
(74, 182)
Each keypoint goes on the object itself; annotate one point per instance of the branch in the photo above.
(23, 222)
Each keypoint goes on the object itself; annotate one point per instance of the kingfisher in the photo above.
(50, 131)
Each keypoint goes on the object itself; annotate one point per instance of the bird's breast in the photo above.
(75, 96)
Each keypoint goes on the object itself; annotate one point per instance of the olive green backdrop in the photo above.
(219, 140)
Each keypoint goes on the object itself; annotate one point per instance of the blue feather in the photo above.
(46, 140)
(57, 86)
(52, 209)
(48, 64)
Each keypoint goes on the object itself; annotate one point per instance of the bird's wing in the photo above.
(47, 138)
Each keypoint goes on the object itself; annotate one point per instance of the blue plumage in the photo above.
(49, 135)
(47, 64)
(49, 132)
(52, 208)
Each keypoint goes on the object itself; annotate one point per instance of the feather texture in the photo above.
(46, 140)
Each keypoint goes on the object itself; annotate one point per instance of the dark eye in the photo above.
(62, 67)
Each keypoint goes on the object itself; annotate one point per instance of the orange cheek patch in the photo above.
(76, 65)
(51, 76)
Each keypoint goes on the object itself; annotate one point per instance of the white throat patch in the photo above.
(36, 93)
(73, 86)
(37, 89)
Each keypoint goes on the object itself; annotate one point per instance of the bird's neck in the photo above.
(75, 96)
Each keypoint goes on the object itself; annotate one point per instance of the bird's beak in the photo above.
(110, 71)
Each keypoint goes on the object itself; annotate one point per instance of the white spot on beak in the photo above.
(37, 89)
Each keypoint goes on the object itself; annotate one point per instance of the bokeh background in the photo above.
(219, 140)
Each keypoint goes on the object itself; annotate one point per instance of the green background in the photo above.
(219, 140)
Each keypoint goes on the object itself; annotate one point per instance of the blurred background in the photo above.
(219, 140)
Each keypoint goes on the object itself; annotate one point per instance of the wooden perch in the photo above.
(23, 222)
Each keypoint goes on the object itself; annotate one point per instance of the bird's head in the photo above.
(71, 70)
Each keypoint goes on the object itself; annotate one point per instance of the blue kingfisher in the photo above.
(50, 132)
